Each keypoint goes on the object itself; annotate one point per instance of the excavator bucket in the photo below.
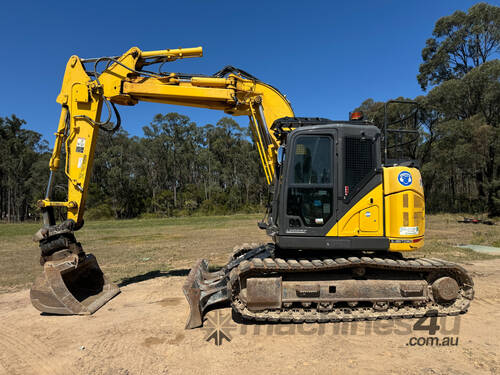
(72, 286)
(202, 290)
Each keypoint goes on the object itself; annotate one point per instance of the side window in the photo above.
(310, 192)
(359, 163)
(312, 163)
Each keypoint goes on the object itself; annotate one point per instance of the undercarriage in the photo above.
(264, 283)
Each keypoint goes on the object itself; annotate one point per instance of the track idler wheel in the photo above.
(445, 289)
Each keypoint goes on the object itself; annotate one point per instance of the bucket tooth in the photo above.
(202, 290)
(71, 286)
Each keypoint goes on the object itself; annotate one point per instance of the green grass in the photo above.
(443, 250)
(443, 233)
(16, 230)
(201, 222)
(130, 248)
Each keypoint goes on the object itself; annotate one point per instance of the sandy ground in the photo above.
(141, 331)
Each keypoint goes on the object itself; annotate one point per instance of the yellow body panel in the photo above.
(404, 208)
(393, 185)
(369, 220)
(399, 202)
(364, 218)
(81, 101)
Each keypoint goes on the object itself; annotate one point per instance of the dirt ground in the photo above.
(141, 331)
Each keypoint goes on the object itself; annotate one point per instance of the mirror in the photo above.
(281, 155)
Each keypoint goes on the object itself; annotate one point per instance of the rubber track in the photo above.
(264, 266)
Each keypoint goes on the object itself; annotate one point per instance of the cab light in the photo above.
(356, 116)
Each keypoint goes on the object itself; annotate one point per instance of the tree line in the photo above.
(180, 168)
(23, 163)
(176, 168)
(458, 149)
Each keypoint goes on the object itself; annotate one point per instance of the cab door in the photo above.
(309, 202)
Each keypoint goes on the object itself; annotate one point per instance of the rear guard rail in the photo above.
(70, 286)
(202, 290)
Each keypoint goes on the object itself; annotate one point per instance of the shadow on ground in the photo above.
(152, 275)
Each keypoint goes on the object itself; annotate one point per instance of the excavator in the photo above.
(341, 213)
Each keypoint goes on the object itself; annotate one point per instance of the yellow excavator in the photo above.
(340, 217)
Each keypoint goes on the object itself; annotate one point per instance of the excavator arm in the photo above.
(84, 94)
(72, 282)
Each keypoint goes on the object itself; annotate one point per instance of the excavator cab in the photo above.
(330, 167)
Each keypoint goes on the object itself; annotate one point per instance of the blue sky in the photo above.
(326, 56)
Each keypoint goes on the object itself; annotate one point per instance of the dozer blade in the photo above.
(202, 290)
(70, 286)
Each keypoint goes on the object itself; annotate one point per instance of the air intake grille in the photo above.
(358, 163)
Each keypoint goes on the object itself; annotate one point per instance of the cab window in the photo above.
(310, 192)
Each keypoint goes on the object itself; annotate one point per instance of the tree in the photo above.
(461, 42)
(118, 184)
(469, 111)
(20, 183)
(177, 168)
(459, 144)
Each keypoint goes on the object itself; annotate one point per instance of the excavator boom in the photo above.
(83, 98)
(72, 282)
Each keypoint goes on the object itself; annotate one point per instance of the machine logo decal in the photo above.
(405, 178)
(296, 230)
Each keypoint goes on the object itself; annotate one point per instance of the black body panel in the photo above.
(332, 243)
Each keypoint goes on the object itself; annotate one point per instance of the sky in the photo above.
(326, 56)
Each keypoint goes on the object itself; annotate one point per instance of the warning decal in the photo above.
(80, 145)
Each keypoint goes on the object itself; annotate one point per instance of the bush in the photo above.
(190, 205)
(152, 215)
(101, 212)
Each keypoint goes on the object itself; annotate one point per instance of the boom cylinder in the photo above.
(174, 54)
